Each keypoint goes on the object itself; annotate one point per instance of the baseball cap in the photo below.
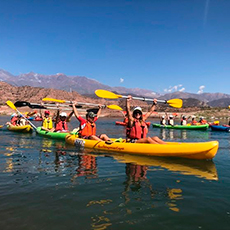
(47, 112)
(91, 114)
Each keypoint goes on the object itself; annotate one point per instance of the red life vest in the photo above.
(87, 129)
(14, 120)
(61, 126)
(137, 131)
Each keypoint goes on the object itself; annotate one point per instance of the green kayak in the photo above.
(189, 127)
(53, 135)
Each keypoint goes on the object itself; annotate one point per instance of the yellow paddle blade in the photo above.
(116, 107)
(52, 99)
(107, 94)
(11, 105)
(176, 103)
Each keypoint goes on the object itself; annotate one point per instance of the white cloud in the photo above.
(181, 90)
(121, 80)
(201, 89)
(174, 88)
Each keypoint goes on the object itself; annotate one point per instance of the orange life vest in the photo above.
(193, 122)
(87, 129)
(61, 126)
(137, 131)
(203, 122)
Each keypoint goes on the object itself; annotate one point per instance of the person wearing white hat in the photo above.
(163, 121)
(136, 131)
(61, 122)
(183, 120)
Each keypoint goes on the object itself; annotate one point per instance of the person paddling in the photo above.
(137, 128)
(88, 126)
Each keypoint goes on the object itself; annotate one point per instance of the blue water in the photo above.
(45, 184)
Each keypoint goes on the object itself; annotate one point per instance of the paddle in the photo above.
(37, 106)
(116, 107)
(177, 103)
(12, 106)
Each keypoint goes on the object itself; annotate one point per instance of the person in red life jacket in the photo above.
(88, 126)
(193, 122)
(137, 128)
(202, 121)
(14, 119)
(61, 122)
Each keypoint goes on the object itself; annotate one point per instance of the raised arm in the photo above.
(153, 107)
(75, 110)
(129, 114)
(69, 116)
(99, 111)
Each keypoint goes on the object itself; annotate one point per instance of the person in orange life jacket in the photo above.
(193, 122)
(137, 129)
(61, 122)
(202, 121)
(88, 126)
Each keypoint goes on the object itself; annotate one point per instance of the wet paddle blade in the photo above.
(176, 103)
(107, 94)
(116, 107)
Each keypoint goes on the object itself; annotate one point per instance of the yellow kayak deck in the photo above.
(24, 128)
(192, 150)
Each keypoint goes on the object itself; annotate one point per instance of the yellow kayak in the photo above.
(24, 129)
(192, 150)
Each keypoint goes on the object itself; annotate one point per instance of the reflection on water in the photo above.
(84, 190)
(174, 134)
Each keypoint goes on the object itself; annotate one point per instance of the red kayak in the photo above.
(124, 124)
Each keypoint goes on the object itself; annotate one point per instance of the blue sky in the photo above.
(161, 45)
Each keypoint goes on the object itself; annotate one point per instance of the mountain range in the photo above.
(86, 86)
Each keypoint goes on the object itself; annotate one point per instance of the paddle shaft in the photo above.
(85, 103)
(144, 99)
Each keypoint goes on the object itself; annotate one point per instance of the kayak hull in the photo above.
(220, 128)
(53, 135)
(187, 127)
(22, 129)
(192, 150)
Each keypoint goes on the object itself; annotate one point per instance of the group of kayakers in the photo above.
(136, 127)
(169, 120)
